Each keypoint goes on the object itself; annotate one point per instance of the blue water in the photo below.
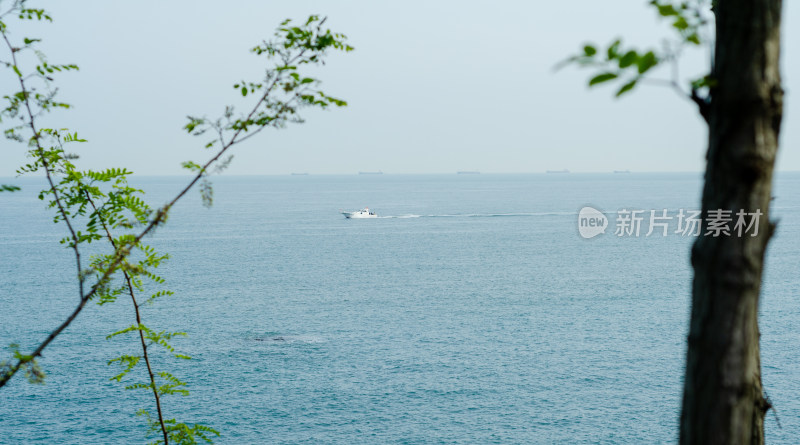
(472, 313)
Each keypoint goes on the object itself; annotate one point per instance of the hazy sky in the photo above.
(433, 87)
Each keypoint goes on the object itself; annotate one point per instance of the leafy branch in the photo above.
(631, 67)
(93, 205)
(282, 93)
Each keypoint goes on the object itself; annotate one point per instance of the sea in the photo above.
(472, 311)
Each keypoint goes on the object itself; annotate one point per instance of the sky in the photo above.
(432, 86)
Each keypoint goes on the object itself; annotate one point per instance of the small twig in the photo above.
(138, 321)
(6, 376)
(774, 410)
(702, 103)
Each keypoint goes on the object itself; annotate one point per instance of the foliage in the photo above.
(179, 432)
(629, 67)
(101, 206)
(33, 372)
(281, 93)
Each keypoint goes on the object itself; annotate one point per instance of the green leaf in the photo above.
(646, 62)
(600, 78)
(8, 188)
(627, 87)
(189, 165)
(612, 51)
(589, 50)
(680, 24)
(666, 10)
(244, 91)
(628, 59)
(705, 81)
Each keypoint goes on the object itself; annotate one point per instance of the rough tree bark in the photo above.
(723, 400)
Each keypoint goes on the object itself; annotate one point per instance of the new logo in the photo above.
(591, 222)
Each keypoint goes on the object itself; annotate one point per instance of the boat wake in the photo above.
(480, 215)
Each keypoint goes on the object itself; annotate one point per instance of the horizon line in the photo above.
(458, 173)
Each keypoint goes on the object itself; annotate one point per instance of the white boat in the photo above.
(363, 213)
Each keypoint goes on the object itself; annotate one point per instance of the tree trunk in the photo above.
(723, 400)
